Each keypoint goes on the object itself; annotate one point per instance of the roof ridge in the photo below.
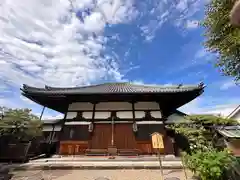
(115, 87)
(25, 86)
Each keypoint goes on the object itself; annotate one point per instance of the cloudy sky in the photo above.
(73, 43)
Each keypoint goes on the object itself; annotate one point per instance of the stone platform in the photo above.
(91, 168)
(83, 162)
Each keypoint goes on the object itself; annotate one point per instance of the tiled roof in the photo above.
(230, 131)
(234, 112)
(114, 88)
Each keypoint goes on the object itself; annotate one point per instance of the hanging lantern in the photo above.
(90, 127)
(135, 128)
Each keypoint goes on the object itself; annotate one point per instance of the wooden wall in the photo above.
(73, 147)
(79, 133)
(101, 136)
(124, 138)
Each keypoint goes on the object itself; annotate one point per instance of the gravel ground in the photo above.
(94, 174)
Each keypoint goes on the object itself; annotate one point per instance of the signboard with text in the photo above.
(157, 141)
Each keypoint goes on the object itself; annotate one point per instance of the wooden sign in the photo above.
(157, 141)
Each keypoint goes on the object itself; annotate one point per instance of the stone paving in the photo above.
(148, 162)
(122, 174)
(101, 165)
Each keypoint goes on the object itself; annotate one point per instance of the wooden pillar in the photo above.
(113, 115)
(42, 113)
(93, 114)
(92, 121)
(61, 133)
(133, 111)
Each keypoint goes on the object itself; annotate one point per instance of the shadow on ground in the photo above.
(7, 173)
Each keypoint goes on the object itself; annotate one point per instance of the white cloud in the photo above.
(178, 13)
(208, 105)
(201, 53)
(139, 82)
(26, 100)
(227, 85)
(192, 24)
(222, 110)
(48, 114)
(3, 87)
(19, 101)
(44, 42)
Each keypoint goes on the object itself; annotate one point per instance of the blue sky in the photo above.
(82, 42)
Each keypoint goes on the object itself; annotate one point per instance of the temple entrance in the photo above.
(122, 138)
(113, 139)
(101, 137)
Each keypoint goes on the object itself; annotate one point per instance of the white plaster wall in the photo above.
(77, 123)
(139, 114)
(80, 106)
(102, 115)
(71, 115)
(156, 114)
(114, 106)
(47, 128)
(149, 122)
(125, 114)
(58, 128)
(120, 114)
(146, 105)
(87, 115)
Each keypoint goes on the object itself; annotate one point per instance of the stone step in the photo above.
(98, 165)
(92, 158)
(95, 159)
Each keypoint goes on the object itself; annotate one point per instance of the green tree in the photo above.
(222, 38)
(211, 164)
(211, 120)
(204, 159)
(20, 124)
(195, 134)
(200, 130)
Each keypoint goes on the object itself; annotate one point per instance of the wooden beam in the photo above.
(63, 124)
(115, 120)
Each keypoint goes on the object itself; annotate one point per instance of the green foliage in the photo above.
(222, 38)
(20, 124)
(210, 164)
(195, 135)
(206, 120)
(204, 159)
(200, 131)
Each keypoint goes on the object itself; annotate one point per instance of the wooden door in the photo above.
(124, 136)
(101, 137)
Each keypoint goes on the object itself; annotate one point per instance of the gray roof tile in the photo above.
(114, 88)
